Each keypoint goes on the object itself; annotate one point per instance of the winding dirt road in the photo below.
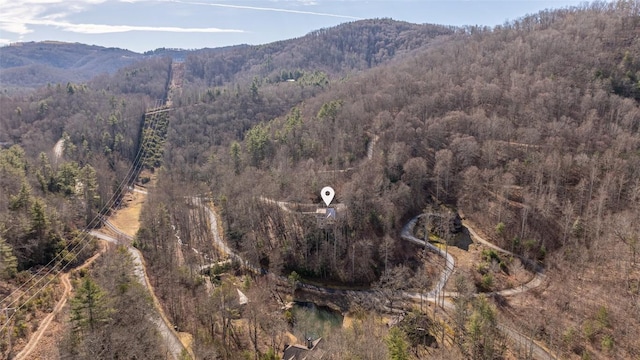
(44, 324)
(176, 347)
(172, 340)
(173, 343)
(538, 351)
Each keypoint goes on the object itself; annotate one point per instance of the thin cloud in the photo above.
(307, 2)
(258, 8)
(107, 29)
(19, 17)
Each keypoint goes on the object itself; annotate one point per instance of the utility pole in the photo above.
(8, 318)
(424, 257)
(446, 263)
(353, 261)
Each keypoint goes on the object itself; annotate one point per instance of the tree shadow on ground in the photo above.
(463, 240)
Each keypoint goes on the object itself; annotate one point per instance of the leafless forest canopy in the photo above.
(530, 130)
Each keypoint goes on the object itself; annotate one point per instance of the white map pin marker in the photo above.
(327, 194)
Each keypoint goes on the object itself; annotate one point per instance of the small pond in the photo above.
(313, 320)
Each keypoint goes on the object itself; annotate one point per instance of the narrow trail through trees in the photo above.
(523, 341)
(165, 329)
(67, 288)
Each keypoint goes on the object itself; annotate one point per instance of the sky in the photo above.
(142, 25)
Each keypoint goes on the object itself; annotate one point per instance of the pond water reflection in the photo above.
(311, 320)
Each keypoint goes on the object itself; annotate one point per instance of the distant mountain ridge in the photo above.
(57, 54)
(350, 46)
(33, 64)
(337, 50)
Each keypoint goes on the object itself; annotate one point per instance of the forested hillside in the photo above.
(529, 131)
(358, 45)
(336, 51)
(34, 64)
(50, 194)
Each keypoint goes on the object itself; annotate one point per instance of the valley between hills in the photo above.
(486, 195)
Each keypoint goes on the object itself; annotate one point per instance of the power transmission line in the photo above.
(138, 161)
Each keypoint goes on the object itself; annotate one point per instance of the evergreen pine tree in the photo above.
(89, 307)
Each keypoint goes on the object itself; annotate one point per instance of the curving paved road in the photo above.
(536, 350)
(213, 224)
(166, 331)
(450, 263)
(172, 341)
(407, 234)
